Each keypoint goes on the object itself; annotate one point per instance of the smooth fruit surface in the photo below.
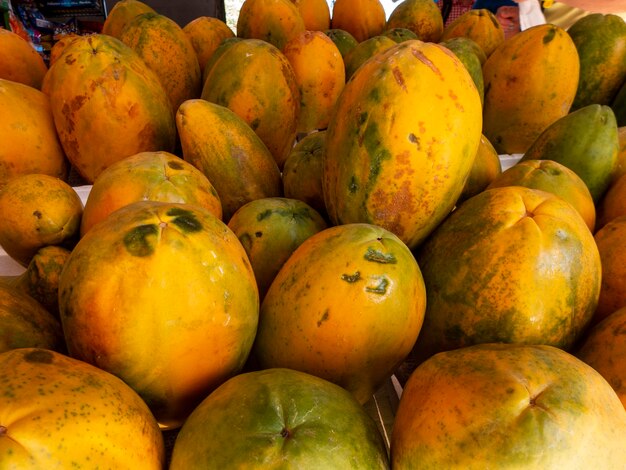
(37, 210)
(19, 61)
(611, 242)
(148, 176)
(508, 406)
(24, 323)
(29, 139)
(279, 418)
(604, 349)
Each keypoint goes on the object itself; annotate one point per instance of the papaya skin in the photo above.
(19, 62)
(530, 82)
(102, 88)
(393, 168)
(29, 139)
(223, 147)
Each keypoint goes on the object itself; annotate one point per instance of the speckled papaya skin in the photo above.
(58, 412)
(508, 406)
(402, 141)
(510, 265)
(163, 296)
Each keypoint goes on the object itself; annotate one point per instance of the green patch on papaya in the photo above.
(380, 288)
(374, 95)
(372, 141)
(136, 241)
(185, 220)
(264, 215)
(377, 256)
(39, 356)
(246, 241)
(351, 278)
(323, 318)
(550, 35)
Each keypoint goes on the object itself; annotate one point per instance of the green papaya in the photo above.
(586, 141)
(601, 43)
(619, 105)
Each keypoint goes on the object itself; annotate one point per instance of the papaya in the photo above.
(168, 52)
(613, 204)
(25, 323)
(161, 295)
(462, 48)
(122, 13)
(515, 406)
(530, 82)
(19, 61)
(480, 25)
(30, 143)
(399, 34)
(38, 210)
(365, 50)
(319, 72)
(59, 46)
(107, 104)
(604, 349)
(270, 229)
(97, 415)
(555, 178)
(402, 140)
(40, 280)
(342, 39)
(148, 176)
(346, 306)
(302, 173)
(600, 40)
(227, 151)
(585, 141)
(369, 21)
(423, 17)
(206, 34)
(485, 169)
(279, 418)
(611, 241)
(315, 14)
(273, 21)
(509, 265)
(255, 80)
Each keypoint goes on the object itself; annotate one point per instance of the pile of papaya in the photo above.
(286, 217)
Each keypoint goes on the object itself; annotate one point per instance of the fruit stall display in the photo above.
(327, 239)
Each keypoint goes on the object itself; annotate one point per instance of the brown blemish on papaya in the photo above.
(351, 278)
(133, 111)
(258, 234)
(174, 165)
(377, 256)
(78, 102)
(39, 356)
(323, 318)
(414, 139)
(37, 214)
(397, 74)
(426, 61)
(3, 430)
